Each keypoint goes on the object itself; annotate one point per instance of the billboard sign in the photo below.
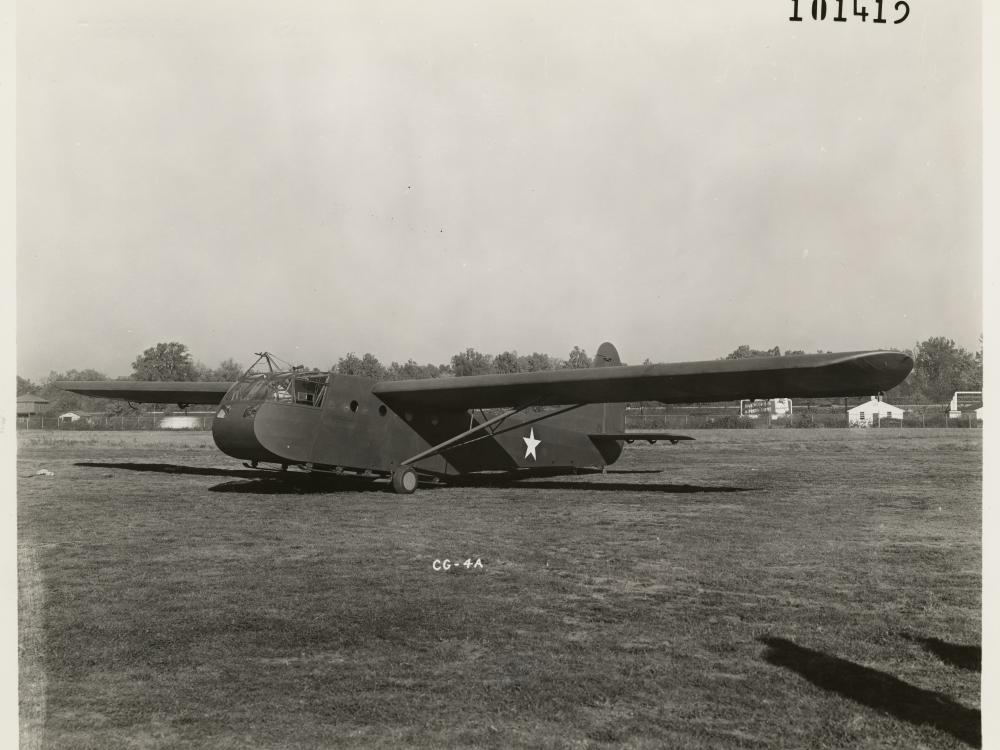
(776, 407)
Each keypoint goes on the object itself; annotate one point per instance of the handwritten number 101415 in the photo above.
(820, 9)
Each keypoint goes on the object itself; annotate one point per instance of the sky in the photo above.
(412, 179)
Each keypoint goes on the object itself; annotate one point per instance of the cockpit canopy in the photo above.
(263, 381)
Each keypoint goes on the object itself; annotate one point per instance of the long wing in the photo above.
(150, 392)
(801, 376)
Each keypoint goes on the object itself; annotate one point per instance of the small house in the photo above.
(871, 412)
(29, 404)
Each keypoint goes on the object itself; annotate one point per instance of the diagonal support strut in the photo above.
(461, 436)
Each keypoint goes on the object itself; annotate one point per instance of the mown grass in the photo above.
(767, 589)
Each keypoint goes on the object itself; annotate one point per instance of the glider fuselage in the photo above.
(332, 422)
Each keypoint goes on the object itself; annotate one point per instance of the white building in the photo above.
(70, 416)
(869, 413)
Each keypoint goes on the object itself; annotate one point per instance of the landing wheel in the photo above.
(404, 480)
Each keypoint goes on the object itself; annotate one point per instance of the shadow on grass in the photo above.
(963, 657)
(307, 485)
(298, 483)
(679, 489)
(173, 469)
(877, 690)
(301, 485)
(258, 482)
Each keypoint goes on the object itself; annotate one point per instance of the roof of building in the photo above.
(874, 405)
(31, 398)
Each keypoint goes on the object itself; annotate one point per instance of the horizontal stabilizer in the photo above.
(150, 391)
(650, 437)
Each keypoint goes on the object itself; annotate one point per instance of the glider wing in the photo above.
(150, 392)
(797, 376)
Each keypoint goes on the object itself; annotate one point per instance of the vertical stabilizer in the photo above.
(607, 356)
(612, 415)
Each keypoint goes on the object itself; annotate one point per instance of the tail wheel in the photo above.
(404, 480)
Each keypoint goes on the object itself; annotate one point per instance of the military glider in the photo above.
(439, 429)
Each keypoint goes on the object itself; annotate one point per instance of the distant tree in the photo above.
(905, 392)
(349, 365)
(75, 375)
(578, 359)
(412, 371)
(505, 363)
(745, 352)
(979, 363)
(366, 366)
(372, 368)
(170, 361)
(940, 368)
(25, 386)
(228, 370)
(471, 362)
(535, 362)
(63, 401)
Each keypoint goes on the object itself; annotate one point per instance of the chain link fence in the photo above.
(728, 417)
(122, 422)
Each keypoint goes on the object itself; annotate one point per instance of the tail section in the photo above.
(607, 356)
(612, 416)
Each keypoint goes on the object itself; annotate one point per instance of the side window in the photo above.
(310, 389)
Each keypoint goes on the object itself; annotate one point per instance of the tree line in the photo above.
(940, 368)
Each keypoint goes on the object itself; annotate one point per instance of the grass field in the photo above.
(782, 588)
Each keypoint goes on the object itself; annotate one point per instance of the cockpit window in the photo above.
(239, 391)
(310, 388)
(257, 391)
(306, 388)
(281, 388)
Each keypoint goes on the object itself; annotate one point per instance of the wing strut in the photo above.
(462, 437)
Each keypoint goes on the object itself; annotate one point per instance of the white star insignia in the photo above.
(532, 443)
